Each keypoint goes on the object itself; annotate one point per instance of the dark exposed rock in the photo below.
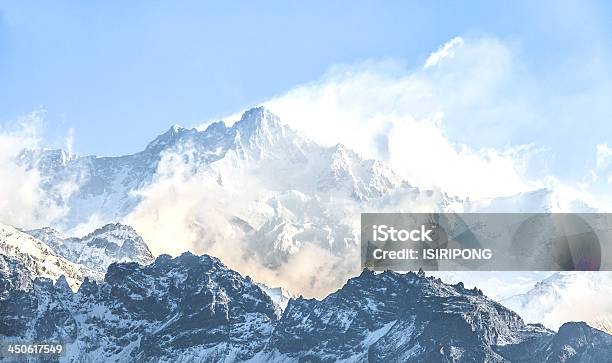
(194, 308)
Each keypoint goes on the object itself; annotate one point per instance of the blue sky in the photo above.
(119, 73)
(528, 93)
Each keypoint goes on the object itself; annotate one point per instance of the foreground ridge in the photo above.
(195, 308)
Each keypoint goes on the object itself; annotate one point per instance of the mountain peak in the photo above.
(259, 112)
(259, 129)
(114, 227)
(175, 128)
(111, 243)
(218, 126)
(342, 152)
(257, 117)
(167, 138)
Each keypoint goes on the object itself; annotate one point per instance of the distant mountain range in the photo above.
(568, 294)
(259, 146)
(257, 194)
(270, 203)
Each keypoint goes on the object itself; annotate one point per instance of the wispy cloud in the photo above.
(23, 202)
(445, 51)
(388, 112)
(472, 120)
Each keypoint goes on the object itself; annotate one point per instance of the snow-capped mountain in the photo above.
(177, 309)
(105, 183)
(566, 295)
(193, 308)
(256, 194)
(280, 297)
(259, 146)
(23, 258)
(410, 317)
(289, 194)
(536, 201)
(97, 250)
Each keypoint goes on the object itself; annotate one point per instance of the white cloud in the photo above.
(473, 121)
(554, 301)
(597, 181)
(385, 111)
(445, 51)
(183, 210)
(168, 215)
(69, 141)
(423, 155)
(23, 203)
(388, 112)
(422, 121)
(604, 155)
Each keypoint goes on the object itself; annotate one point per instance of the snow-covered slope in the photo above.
(535, 201)
(23, 258)
(603, 323)
(280, 297)
(564, 296)
(97, 250)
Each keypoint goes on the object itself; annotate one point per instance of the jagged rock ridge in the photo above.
(194, 308)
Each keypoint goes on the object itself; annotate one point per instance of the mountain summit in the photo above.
(97, 250)
(258, 119)
(167, 139)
